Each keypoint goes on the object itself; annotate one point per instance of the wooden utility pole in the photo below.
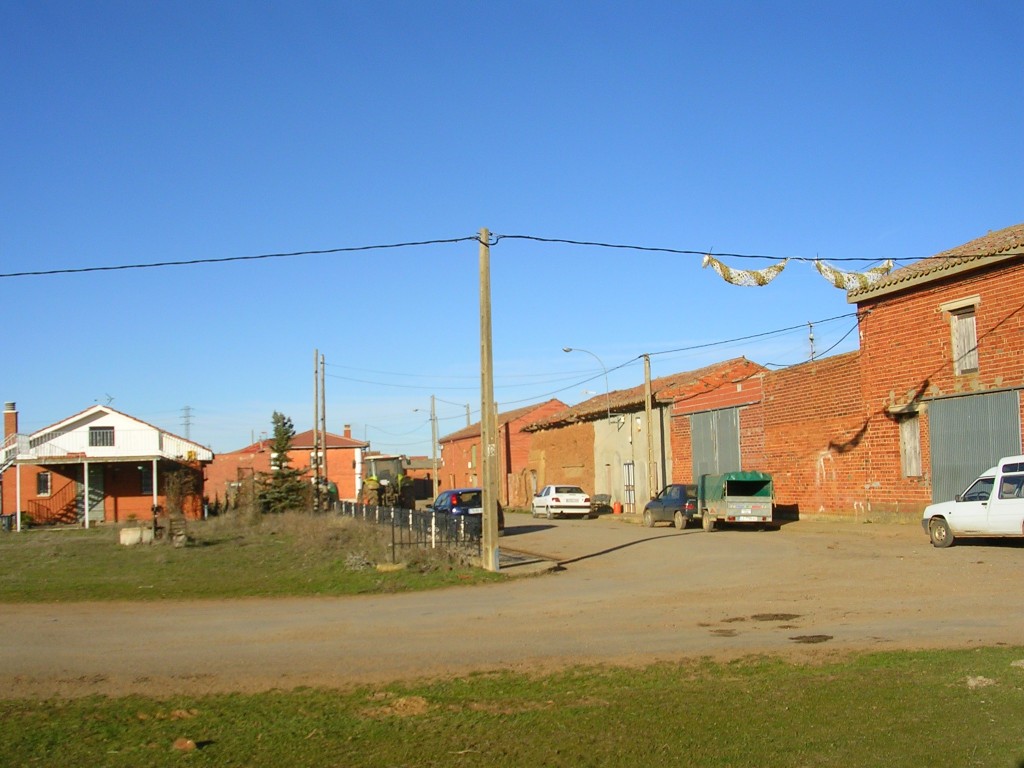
(323, 427)
(433, 444)
(488, 439)
(316, 430)
(652, 480)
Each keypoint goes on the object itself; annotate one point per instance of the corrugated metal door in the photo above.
(715, 439)
(968, 435)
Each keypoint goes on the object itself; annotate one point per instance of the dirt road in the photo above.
(625, 594)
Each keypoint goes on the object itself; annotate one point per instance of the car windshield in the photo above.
(467, 499)
(981, 489)
(568, 489)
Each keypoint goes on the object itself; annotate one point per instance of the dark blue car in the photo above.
(465, 501)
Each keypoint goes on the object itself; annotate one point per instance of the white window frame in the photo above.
(101, 437)
(48, 483)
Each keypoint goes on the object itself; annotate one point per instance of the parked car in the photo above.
(676, 503)
(465, 501)
(993, 505)
(561, 500)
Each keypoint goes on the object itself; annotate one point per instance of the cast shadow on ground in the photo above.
(514, 530)
(616, 548)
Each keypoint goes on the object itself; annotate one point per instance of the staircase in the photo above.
(9, 451)
(60, 508)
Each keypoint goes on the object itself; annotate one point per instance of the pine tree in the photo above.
(283, 489)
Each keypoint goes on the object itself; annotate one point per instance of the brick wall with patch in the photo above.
(814, 431)
(907, 339)
(563, 455)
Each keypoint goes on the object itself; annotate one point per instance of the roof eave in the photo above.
(968, 264)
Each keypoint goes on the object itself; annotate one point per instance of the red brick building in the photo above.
(942, 369)
(931, 399)
(602, 444)
(99, 465)
(344, 464)
(460, 453)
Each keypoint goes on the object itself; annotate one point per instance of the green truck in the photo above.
(735, 497)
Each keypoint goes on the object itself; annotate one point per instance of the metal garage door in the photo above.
(715, 439)
(968, 435)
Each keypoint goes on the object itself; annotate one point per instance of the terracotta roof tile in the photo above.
(632, 399)
(974, 254)
(473, 430)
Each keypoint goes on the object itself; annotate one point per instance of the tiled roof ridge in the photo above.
(992, 244)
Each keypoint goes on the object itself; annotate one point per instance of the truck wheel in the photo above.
(939, 533)
(648, 518)
(709, 522)
(680, 520)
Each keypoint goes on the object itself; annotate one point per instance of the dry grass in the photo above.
(229, 556)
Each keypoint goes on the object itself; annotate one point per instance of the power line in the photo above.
(677, 251)
(223, 259)
(724, 342)
(448, 241)
(752, 336)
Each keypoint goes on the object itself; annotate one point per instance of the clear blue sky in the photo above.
(149, 132)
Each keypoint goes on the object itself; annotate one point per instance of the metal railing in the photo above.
(63, 507)
(426, 528)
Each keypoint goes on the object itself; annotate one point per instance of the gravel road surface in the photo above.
(624, 594)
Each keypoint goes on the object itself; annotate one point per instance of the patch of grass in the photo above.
(896, 709)
(277, 555)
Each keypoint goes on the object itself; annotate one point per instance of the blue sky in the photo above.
(150, 132)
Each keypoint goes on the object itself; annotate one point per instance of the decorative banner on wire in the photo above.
(849, 281)
(745, 276)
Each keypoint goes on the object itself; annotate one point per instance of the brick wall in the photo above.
(228, 468)
(802, 424)
(514, 445)
(814, 430)
(907, 353)
(562, 455)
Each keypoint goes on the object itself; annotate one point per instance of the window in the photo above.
(1012, 487)
(472, 456)
(43, 481)
(146, 481)
(910, 445)
(101, 437)
(965, 341)
(980, 491)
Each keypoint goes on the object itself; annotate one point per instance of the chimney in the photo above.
(10, 419)
(348, 431)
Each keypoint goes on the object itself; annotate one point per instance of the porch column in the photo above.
(85, 504)
(17, 495)
(155, 495)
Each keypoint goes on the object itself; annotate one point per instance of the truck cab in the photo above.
(993, 505)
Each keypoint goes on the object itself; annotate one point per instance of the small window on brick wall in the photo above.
(965, 340)
(910, 445)
(43, 481)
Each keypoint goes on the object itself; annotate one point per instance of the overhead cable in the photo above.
(224, 259)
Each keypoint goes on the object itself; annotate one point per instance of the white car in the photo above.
(993, 505)
(561, 500)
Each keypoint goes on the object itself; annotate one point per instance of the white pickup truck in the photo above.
(993, 505)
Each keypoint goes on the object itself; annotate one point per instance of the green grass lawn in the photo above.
(940, 708)
(279, 555)
(949, 708)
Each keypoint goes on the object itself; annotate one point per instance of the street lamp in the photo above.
(607, 396)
